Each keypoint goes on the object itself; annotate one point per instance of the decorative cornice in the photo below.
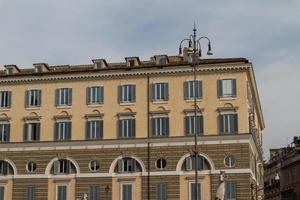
(168, 70)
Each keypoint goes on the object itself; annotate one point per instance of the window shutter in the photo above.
(166, 91)
(25, 135)
(101, 93)
(87, 130)
(26, 98)
(236, 123)
(221, 125)
(200, 90)
(234, 87)
(133, 93)
(219, 86)
(101, 129)
(167, 127)
(120, 165)
(68, 166)
(56, 167)
(57, 97)
(69, 130)
(119, 94)
(7, 137)
(185, 89)
(186, 125)
(152, 92)
(38, 129)
(200, 125)
(56, 129)
(133, 161)
(39, 97)
(69, 96)
(9, 99)
(153, 133)
(188, 163)
(5, 168)
(120, 128)
(1, 192)
(133, 127)
(88, 92)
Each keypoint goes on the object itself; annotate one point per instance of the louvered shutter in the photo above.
(39, 96)
(219, 88)
(26, 98)
(200, 89)
(133, 127)
(100, 129)
(234, 89)
(187, 125)
(38, 129)
(120, 94)
(133, 93)
(166, 91)
(188, 163)
(69, 130)
(152, 92)
(236, 123)
(120, 165)
(153, 130)
(167, 126)
(101, 93)
(88, 94)
(56, 167)
(25, 134)
(200, 125)
(57, 97)
(87, 130)
(9, 94)
(69, 97)
(1, 192)
(185, 89)
(56, 130)
(221, 124)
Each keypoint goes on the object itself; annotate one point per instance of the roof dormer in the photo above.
(161, 59)
(99, 63)
(11, 69)
(40, 67)
(132, 61)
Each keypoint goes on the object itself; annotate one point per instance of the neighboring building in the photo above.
(282, 173)
(125, 130)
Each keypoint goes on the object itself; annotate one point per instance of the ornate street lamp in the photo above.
(194, 50)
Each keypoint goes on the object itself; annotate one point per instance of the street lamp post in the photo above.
(195, 53)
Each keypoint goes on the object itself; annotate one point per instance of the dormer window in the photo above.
(161, 60)
(99, 63)
(40, 67)
(132, 61)
(11, 69)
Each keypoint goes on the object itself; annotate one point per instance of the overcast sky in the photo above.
(74, 32)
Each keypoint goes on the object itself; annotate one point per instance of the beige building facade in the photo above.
(125, 130)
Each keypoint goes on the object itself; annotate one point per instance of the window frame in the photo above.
(190, 189)
(91, 189)
(57, 130)
(90, 165)
(28, 188)
(231, 164)
(160, 91)
(158, 126)
(29, 131)
(189, 90)
(5, 99)
(160, 160)
(226, 123)
(122, 126)
(162, 196)
(235, 189)
(92, 99)
(132, 190)
(33, 164)
(91, 129)
(33, 98)
(233, 85)
(64, 97)
(3, 186)
(2, 131)
(57, 188)
(189, 124)
(127, 93)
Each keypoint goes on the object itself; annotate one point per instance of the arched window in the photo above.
(189, 163)
(128, 165)
(63, 166)
(5, 168)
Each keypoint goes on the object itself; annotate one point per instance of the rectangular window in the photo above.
(190, 127)
(33, 98)
(227, 88)
(190, 92)
(127, 128)
(126, 191)
(228, 123)
(61, 193)
(30, 193)
(161, 191)
(31, 132)
(4, 132)
(126, 93)
(63, 130)
(63, 97)
(95, 95)
(94, 192)
(160, 91)
(5, 99)
(2, 189)
(94, 129)
(126, 165)
(160, 126)
(193, 191)
(230, 190)
(162, 61)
